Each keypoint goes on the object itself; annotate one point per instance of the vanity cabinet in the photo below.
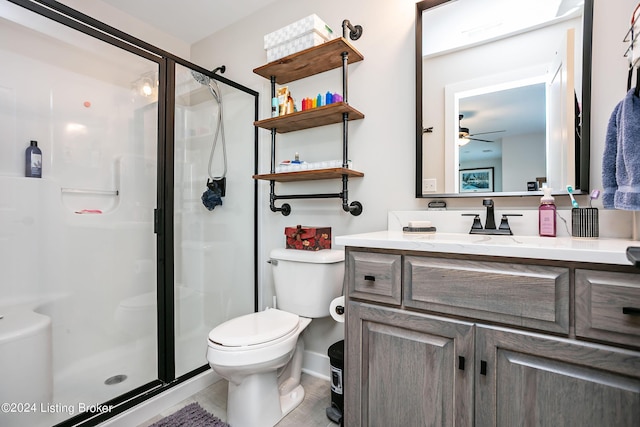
(608, 307)
(536, 380)
(375, 277)
(407, 369)
(470, 340)
(534, 296)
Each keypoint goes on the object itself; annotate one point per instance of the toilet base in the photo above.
(255, 402)
(291, 400)
(267, 405)
(273, 394)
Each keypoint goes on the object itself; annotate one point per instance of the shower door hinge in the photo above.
(156, 220)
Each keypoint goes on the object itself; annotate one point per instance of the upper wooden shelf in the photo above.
(314, 60)
(326, 115)
(310, 175)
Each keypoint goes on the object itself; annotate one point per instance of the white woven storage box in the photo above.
(296, 45)
(311, 23)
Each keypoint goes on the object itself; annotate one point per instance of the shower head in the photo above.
(205, 80)
(200, 78)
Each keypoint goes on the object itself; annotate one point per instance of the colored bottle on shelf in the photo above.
(33, 161)
(328, 98)
(547, 214)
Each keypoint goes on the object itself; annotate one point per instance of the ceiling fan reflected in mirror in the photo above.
(464, 137)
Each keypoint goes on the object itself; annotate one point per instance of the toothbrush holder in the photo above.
(584, 222)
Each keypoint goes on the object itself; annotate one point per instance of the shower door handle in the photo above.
(156, 221)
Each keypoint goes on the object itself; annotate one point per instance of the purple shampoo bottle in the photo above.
(33, 161)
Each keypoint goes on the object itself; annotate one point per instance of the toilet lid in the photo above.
(254, 328)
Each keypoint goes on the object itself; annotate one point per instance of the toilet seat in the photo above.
(254, 329)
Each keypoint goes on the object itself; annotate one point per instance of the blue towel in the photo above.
(211, 199)
(609, 183)
(623, 175)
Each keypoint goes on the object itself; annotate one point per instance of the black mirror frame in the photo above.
(583, 150)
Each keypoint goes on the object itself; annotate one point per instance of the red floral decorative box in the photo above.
(308, 238)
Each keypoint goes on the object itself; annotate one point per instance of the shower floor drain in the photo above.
(116, 379)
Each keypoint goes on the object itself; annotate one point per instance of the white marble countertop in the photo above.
(601, 250)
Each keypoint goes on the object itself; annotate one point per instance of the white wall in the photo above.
(523, 161)
(129, 24)
(381, 145)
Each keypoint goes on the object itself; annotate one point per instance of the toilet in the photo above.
(260, 354)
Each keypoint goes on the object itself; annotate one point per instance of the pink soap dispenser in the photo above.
(547, 215)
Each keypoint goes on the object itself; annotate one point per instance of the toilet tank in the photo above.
(306, 281)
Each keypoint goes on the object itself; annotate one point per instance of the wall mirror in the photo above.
(502, 97)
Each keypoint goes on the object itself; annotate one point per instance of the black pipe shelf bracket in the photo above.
(330, 55)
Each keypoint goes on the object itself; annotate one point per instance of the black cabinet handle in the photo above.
(461, 363)
(483, 367)
(631, 310)
(633, 255)
(370, 278)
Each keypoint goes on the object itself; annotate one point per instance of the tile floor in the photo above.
(310, 413)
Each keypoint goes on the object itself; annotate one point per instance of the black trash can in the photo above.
(336, 360)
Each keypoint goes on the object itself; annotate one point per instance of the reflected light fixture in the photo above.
(147, 89)
(463, 136)
(146, 85)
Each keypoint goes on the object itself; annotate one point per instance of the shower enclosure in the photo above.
(112, 270)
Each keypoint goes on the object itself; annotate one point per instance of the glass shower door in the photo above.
(214, 245)
(77, 246)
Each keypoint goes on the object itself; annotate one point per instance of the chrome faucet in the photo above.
(490, 221)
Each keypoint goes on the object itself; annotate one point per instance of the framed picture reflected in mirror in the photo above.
(479, 180)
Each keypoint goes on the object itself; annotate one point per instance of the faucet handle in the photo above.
(504, 222)
(477, 224)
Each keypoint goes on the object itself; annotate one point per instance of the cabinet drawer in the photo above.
(608, 306)
(374, 276)
(522, 295)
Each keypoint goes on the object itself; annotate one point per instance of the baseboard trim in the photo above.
(316, 364)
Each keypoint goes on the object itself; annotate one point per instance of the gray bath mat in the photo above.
(191, 415)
